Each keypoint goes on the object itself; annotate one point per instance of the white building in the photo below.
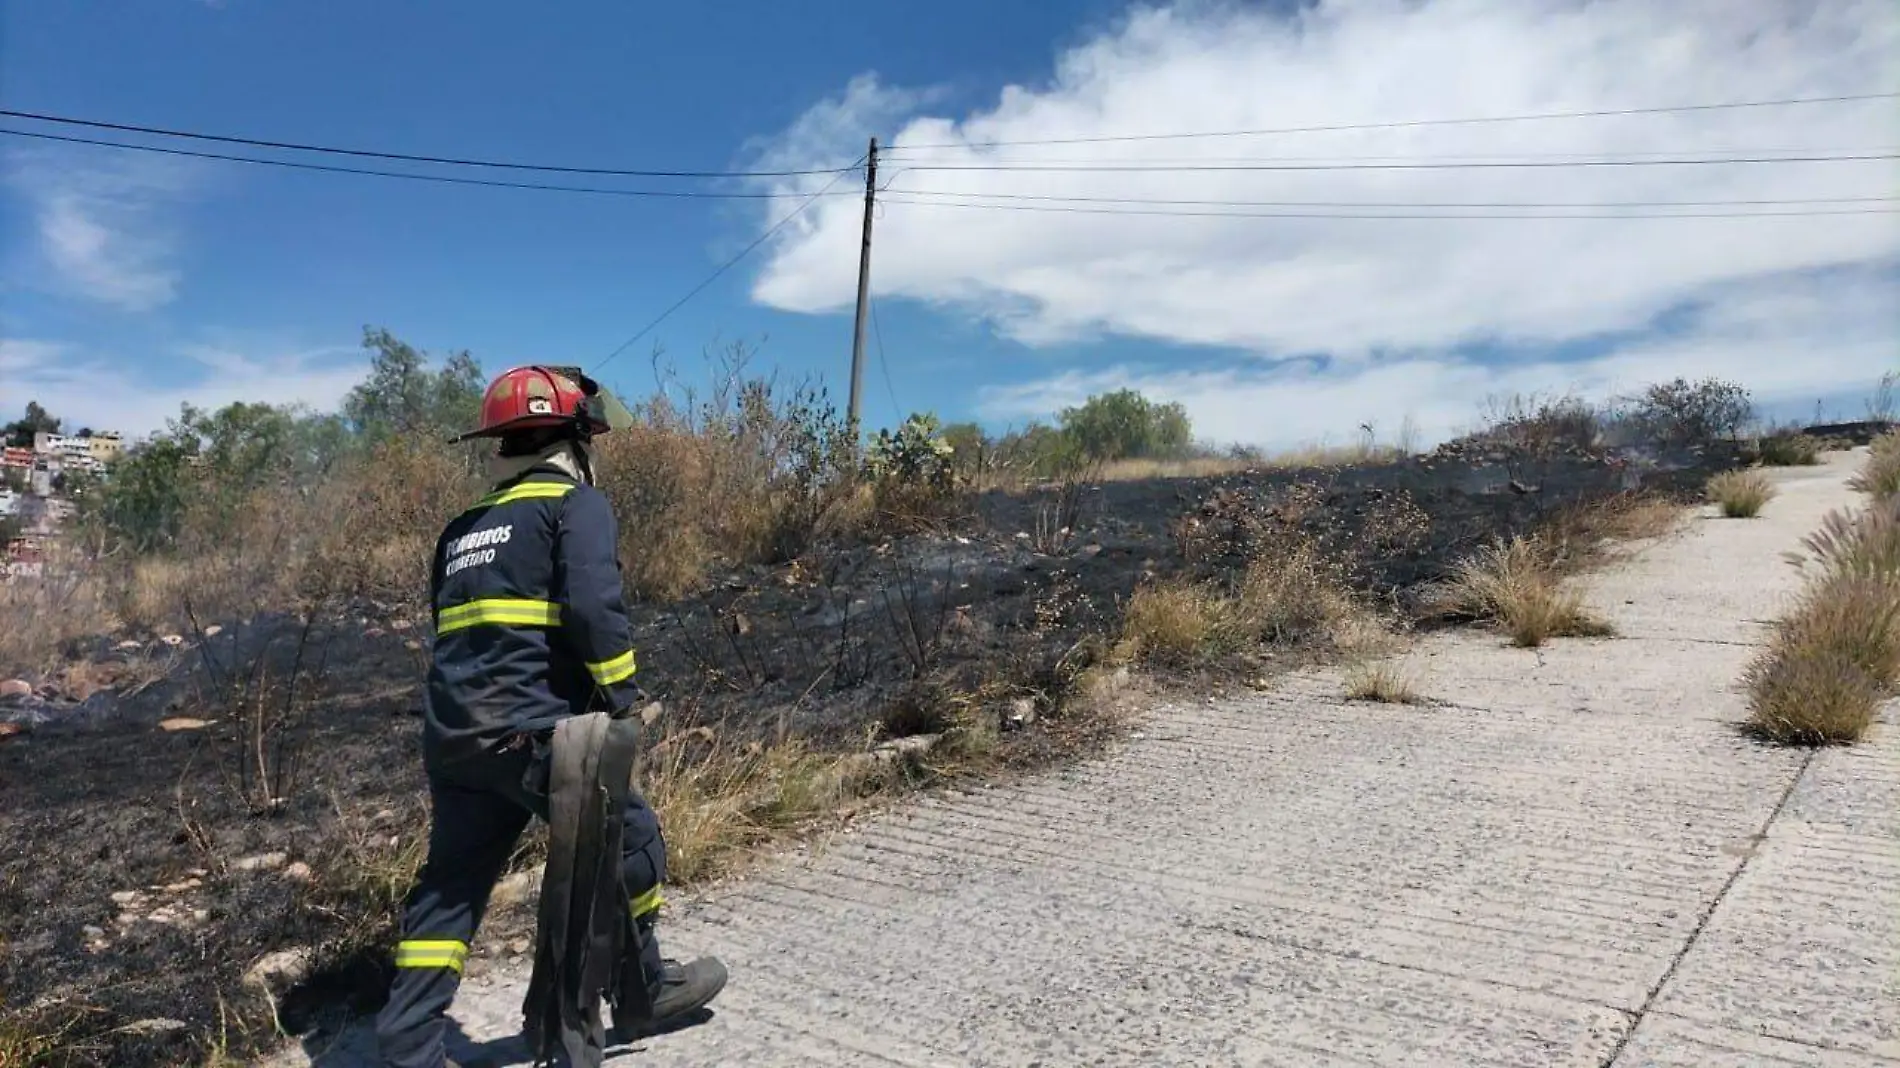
(90, 453)
(9, 502)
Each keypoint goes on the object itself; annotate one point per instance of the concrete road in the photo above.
(1571, 858)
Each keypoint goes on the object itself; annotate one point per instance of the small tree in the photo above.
(1692, 413)
(144, 503)
(403, 396)
(1124, 424)
(19, 433)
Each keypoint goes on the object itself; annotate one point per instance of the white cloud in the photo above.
(1366, 293)
(1790, 340)
(87, 390)
(102, 224)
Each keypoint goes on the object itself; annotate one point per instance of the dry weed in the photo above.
(1294, 595)
(1141, 470)
(715, 799)
(1803, 691)
(1790, 450)
(1836, 655)
(44, 614)
(1741, 494)
(1173, 622)
(40, 1038)
(1382, 683)
(1518, 585)
(1880, 475)
(1861, 543)
(743, 477)
(1581, 533)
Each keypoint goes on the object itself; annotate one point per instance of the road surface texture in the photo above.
(1571, 857)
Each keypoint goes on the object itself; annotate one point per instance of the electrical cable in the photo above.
(1410, 123)
(402, 156)
(449, 179)
(810, 199)
(1388, 204)
(1421, 165)
(1069, 209)
(877, 332)
(898, 156)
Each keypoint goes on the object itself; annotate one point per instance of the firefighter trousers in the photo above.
(479, 809)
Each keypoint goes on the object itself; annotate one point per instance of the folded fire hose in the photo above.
(587, 946)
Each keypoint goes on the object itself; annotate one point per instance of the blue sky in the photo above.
(133, 281)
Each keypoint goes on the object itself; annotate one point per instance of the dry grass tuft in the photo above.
(1584, 533)
(1805, 691)
(1880, 475)
(1836, 656)
(1140, 470)
(715, 799)
(1790, 450)
(1518, 585)
(1292, 595)
(1741, 494)
(1311, 456)
(1296, 595)
(1862, 543)
(1382, 683)
(33, 1039)
(1172, 622)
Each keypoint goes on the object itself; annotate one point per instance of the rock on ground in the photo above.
(1571, 858)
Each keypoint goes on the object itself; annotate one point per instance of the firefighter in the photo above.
(530, 628)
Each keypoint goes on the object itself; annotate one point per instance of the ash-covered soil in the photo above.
(159, 845)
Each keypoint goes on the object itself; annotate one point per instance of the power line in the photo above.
(1138, 168)
(1409, 123)
(878, 333)
(700, 194)
(1459, 159)
(810, 199)
(1068, 209)
(330, 168)
(1387, 204)
(407, 157)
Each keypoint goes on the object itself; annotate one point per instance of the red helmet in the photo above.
(524, 398)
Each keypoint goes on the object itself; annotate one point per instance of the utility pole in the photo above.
(864, 291)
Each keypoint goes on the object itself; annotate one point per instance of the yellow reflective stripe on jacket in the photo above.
(431, 953)
(647, 902)
(526, 491)
(505, 611)
(612, 670)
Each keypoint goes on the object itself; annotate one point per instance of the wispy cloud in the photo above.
(104, 225)
(1792, 340)
(1392, 304)
(88, 388)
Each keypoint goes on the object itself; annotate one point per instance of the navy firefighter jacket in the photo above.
(529, 620)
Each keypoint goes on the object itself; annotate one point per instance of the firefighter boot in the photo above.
(654, 994)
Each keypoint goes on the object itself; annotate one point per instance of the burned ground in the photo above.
(159, 845)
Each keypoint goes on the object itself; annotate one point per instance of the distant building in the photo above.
(88, 464)
(106, 446)
(22, 459)
(88, 453)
